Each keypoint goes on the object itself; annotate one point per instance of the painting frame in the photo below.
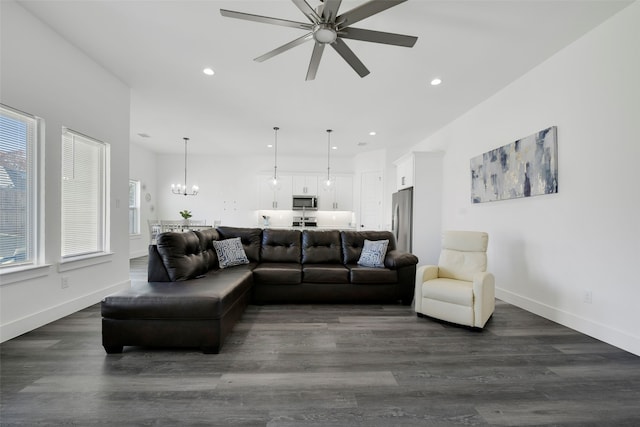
(524, 168)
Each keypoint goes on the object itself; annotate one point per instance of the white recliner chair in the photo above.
(458, 289)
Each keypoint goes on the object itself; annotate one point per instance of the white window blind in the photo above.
(134, 207)
(18, 133)
(84, 194)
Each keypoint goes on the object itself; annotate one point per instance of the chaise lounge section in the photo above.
(189, 301)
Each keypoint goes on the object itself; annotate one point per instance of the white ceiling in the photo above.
(159, 48)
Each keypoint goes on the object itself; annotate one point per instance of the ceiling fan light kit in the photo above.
(327, 27)
(324, 33)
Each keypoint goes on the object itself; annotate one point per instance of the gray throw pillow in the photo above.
(373, 253)
(230, 252)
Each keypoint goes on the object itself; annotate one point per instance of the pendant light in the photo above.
(274, 182)
(327, 184)
(182, 189)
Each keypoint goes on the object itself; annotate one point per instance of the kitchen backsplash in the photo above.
(324, 219)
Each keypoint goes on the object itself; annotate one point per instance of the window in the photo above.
(134, 207)
(85, 166)
(18, 187)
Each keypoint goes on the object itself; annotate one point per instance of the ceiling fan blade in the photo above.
(351, 58)
(315, 61)
(265, 19)
(365, 10)
(307, 10)
(330, 10)
(284, 47)
(378, 37)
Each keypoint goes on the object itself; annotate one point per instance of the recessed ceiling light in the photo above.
(208, 71)
(269, 145)
(436, 82)
(334, 148)
(372, 133)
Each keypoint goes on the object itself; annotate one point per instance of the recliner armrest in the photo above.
(423, 273)
(426, 272)
(484, 291)
(396, 259)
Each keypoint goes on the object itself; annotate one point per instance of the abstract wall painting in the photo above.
(524, 168)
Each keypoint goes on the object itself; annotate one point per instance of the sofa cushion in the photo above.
(181, 255)
(353, 242)
(230, 252)
(463, 254)
(204, 298)
(281, 245)
(207, 237)
(325, 273)
(280, 273)
(251, 239)
(321, 247)
(449, 290)
(371, 275)
(373, 253)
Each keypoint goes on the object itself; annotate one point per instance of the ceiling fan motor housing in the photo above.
(324, 33)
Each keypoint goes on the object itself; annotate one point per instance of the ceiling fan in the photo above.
(327, 27)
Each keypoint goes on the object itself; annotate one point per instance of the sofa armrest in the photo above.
(156, 271)
(396, 259)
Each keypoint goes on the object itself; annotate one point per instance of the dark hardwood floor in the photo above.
(372, 365)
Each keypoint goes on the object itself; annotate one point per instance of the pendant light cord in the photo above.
(185, 165)
(329, 154)
(275, 160)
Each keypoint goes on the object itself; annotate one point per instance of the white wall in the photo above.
(547, 251)
(43, 75)
(427, 206)
(143, 169)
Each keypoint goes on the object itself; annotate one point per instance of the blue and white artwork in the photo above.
(524, 168)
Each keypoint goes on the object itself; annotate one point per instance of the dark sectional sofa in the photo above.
(188, 301)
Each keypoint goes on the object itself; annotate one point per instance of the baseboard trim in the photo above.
(600, 331)
(41, 318)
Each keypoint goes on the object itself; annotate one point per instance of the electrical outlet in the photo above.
(587, 297)
(64, 283)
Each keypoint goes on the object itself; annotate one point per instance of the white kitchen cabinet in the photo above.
(268, 199)
(339, 197)
(306, 185)
(405, 171)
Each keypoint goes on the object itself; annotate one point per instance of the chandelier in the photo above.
(182, 189)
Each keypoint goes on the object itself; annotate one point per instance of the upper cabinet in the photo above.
(339, 197)
(404, 172)
(279, 198)
(305, 185)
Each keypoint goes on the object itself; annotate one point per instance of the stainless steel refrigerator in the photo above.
(402, 218)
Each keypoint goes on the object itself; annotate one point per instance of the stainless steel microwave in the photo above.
(305, 203)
